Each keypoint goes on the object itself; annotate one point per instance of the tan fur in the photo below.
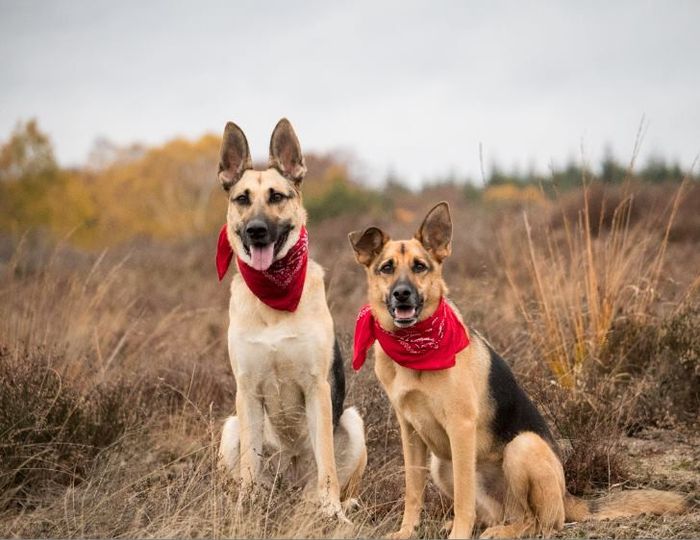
(514, 490)
(625, 504)
(281, 360)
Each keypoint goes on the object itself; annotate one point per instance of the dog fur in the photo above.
(286, 406)
(490, 449)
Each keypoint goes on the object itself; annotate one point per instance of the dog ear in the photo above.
(285, 152)
(367, 244)
(436, 232)
(235, 156)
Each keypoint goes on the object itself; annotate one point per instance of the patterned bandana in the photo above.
(281, 285)
(429, 345)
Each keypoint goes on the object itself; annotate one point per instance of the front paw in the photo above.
(350, 505)
(334, 510)
(498, 531)
(462, 528)
(463, 533)
(447, 527)
(401, 534)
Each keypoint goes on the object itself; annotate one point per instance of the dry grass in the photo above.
(114, 377)
(582, 282)
(585, 292)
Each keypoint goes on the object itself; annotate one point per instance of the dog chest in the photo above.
(278, 351)
(286, 350)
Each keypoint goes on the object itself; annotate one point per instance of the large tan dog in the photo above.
(282, 359)
(490, 448)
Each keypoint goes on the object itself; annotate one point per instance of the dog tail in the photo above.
(337, 381)
(624, 504)
(351, 451)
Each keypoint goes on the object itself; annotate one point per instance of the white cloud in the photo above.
(413, 86)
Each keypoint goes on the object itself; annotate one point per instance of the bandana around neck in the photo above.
(281, 285)
(429, 345)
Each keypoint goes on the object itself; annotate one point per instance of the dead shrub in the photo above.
(52, 430)
(664, 355)
(53, 426)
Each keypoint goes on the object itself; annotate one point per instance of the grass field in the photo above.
(114, 376)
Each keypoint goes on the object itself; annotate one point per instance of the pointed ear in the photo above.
(368, 244)
(235, 156)
(285, 152)
(436, 232)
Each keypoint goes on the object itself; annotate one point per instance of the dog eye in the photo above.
(419, 267)
(276, 197)
(387, 268)
(243, 199)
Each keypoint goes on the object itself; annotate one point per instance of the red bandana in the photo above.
(281, 285)
(431, 344)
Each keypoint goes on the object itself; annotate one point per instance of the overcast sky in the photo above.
(413, 87)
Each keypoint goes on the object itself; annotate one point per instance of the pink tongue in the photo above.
(262, 256)
(405, 313)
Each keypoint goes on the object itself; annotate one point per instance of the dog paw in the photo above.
(447, 527)
(350, 505)
(334, 510)
(499, 531)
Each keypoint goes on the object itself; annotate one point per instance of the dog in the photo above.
(457, 400)
(286, 362)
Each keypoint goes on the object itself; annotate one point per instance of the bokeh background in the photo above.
(564, 136)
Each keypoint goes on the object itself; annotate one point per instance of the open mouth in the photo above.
(263, 255)
(404, 315)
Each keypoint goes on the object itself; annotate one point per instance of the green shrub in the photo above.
(341, 198)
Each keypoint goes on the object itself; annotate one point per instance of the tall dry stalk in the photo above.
(577, 282)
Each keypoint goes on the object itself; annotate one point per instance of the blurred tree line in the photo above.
(656, 171)
(170, 191)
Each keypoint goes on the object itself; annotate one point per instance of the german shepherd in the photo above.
(287, 365)
(490, 449)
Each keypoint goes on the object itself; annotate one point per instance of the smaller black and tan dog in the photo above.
(455, 398)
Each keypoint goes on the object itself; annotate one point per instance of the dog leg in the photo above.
(320, 423)
(462, 433)
(534, 489)
(443, 477)
(489, 510)
(528, 454)
(442, 474)
(252, 418)
(415, 454)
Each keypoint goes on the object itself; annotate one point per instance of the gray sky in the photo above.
(414, 87)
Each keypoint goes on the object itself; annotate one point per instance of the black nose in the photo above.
(256, 230)
(402, 293)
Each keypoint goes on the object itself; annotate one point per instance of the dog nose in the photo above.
(256, 229)
(402, 293)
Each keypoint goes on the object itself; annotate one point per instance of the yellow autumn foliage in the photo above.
(514, 194)
(169, 191)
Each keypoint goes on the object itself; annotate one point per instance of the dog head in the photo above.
(265, 213)
(405, 276)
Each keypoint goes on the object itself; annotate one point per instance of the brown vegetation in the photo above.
(114, 377)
